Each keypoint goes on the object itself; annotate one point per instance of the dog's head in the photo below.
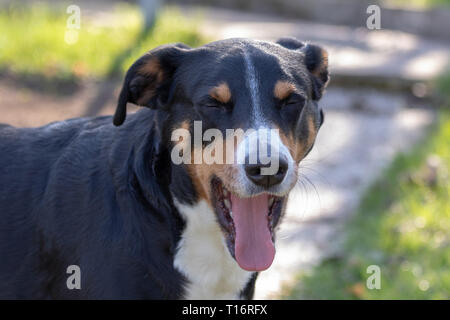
(242, 114)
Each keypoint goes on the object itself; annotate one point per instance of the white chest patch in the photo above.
(202, 256)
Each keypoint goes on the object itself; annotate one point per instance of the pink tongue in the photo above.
(254, 250)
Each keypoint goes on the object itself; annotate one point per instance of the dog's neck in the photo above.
(201, 254)
(203, 258)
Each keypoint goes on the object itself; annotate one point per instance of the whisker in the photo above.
(315, 189)
(323, 178)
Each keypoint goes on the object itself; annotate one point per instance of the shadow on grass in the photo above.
(56, 86)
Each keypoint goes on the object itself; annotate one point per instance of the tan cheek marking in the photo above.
(283, 89)
(290, 142)
(201, 177)
(198, 180)
(221, 93)
(296, 147)
(183, 125)
(201, 174)
(312, 133)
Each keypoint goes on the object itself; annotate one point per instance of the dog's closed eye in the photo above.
(294, 100)
(211, 103)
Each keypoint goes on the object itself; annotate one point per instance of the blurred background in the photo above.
(374, 191)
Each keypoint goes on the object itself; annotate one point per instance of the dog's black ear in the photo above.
(148, 81)
(316, 61)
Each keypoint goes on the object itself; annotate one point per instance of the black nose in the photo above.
(253, 172)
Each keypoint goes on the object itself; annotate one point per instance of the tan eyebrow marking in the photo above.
(312, 132)
(283, 89)
(221, 93)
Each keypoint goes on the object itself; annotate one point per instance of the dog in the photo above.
(105, 196)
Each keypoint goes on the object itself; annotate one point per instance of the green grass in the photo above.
(32, 40)
(419, 3)
(402, 225)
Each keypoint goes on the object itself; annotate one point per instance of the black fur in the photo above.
(83, 192)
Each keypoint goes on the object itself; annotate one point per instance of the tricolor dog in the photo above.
(109, 196)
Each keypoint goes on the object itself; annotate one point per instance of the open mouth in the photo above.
(248, 224)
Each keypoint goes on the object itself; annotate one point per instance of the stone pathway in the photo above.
(353, 52)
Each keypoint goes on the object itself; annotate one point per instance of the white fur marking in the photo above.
(253, 87)
(204, 259)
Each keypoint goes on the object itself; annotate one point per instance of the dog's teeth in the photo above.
(271, 201)
(231, 214)
(225, 192)
(227, 203)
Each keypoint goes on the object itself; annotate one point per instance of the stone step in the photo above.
(372, 56)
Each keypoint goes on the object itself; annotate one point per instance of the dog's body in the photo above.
(74, 193)
(111, 201)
